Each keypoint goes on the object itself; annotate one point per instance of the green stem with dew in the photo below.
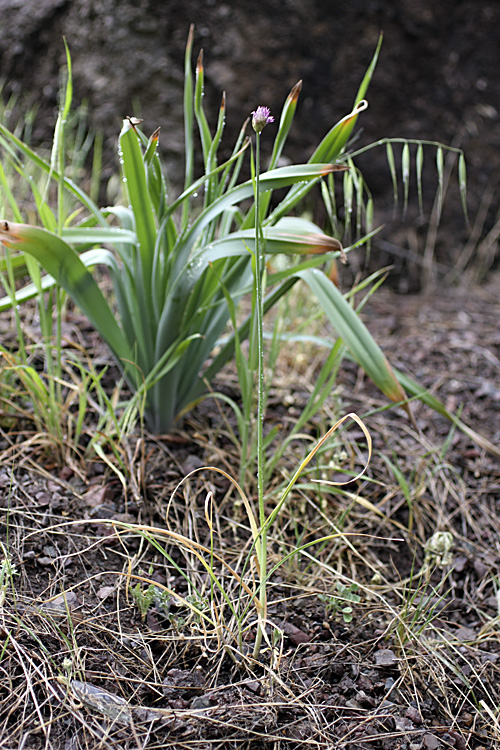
(259, 313)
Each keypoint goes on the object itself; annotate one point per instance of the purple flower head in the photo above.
(261, 117)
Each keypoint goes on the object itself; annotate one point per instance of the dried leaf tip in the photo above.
(294, 93)
(329, 168)
(9, 230)
(10, 235)
(199, 63)
(134, 121)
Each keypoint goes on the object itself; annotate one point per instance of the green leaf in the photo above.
(89, 259)
(415, 389)
(276, 178)
(286, 119)
(4, 182)
(211, 187)
(138, 194)
(66, 267)
(354, 333)
(392, 168)
(154, 175)
(419, 167)
(333, 143)
(369, 73)
(188, 126)
(440, 171)
(95, 235)
(292, 236)
(205, 134)
(405, 168)
(462, 181)
(28, 153)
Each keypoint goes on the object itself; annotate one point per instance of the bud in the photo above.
(261, 117)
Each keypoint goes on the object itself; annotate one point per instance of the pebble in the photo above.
(431, 742)
(386, 658)
(414, 714)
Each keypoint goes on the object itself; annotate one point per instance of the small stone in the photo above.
(404, 724)
(42, 498)
(201, 702)
(431, 742)
(105, 591)
(386, 658)
(460, 563)
(480, 568)
(296, 635)
(365, 700)
(254, 686)
(65, 600)
(45, 561)
(95, 496)
(414, 714)
(491, 657)
(179, 704)
(66, 473)
(465, 634)
(364, 683)
(192, 463)
(352, 704)
(104, 512)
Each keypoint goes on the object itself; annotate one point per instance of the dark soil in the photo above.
(416, 669)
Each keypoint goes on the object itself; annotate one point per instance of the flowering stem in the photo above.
(259, 312)
(261, 117)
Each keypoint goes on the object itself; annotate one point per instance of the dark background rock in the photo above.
(437, 77)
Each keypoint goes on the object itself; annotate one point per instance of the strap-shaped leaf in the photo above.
(415, 389)
(29, 291)
(201, 118)
(188, 126)
(28, 153)
(66, 267)
(354, 333)
(332, 144)
(285, 123)
(290, 236)
(134, 172)
(95, 235)
(272, 180)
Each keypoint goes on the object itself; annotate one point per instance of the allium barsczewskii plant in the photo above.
(169, 266)
(173, 266)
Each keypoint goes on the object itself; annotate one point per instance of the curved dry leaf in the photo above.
(113, 706)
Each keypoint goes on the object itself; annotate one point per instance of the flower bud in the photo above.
(261, 117)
